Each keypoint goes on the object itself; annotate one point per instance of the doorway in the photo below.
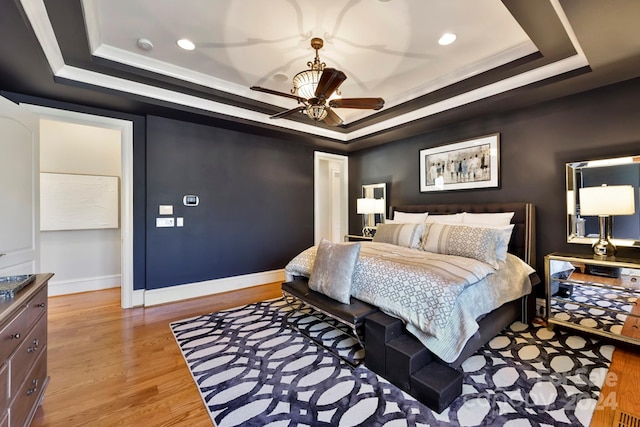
(128, 298)
(331, 197)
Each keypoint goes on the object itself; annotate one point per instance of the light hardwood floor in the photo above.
(114, 367)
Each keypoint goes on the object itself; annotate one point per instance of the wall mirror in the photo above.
(623, 229)
(379, 193)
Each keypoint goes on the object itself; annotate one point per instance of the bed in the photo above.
(438, 341)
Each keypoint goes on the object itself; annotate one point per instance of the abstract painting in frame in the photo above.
(474, 163)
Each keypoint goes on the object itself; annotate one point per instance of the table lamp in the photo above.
(369, 207)
(604, 202)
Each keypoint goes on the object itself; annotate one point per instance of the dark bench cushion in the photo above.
(352, 314)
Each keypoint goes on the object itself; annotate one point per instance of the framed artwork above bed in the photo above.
(474, 163)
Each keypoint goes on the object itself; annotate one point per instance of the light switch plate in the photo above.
(164, 222)
(165, 210)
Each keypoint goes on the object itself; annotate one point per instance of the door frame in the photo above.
(320, 181)
(126, 193)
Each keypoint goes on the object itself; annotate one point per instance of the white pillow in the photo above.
(409, 217)
(503, 236)
(446, 219)
(501, 218)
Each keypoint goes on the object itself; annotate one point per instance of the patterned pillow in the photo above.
(333, 270)
(470, 242)
(407, 235)
(503, 236)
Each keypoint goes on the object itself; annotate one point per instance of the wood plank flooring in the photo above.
(622, 387)
(114, 367)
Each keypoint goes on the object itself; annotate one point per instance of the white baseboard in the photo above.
(209, 287)
(64, 287)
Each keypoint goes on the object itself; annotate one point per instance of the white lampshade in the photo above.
(370, 206)
(607, 200)
(366, 206)
(379, 206)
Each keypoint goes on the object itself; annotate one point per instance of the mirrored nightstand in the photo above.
(594, 295)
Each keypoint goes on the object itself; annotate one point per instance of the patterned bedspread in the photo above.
(424, 290)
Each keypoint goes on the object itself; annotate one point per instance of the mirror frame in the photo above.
(572, 208)
(368, 191)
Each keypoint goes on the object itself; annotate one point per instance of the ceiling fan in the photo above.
(313, 88)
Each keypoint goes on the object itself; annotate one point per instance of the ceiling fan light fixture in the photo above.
(306, 82)
(316, 89)
(316, 112)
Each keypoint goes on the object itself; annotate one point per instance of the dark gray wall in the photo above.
(535, 144)
(256, 202)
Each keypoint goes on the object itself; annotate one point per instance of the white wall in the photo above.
(82, 260)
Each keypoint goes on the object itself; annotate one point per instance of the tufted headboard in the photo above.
(523, 239)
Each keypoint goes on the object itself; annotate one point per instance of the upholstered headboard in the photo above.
(523, 239)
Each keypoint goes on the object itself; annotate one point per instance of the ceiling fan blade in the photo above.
(362, 103)
(329, 82)
(332, 118)
(287, 112)
(275, 92)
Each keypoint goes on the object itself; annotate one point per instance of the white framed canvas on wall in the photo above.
(470, 164)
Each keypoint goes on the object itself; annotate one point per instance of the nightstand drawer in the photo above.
(12, 335)
(24, 358)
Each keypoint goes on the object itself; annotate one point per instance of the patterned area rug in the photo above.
(254, 369)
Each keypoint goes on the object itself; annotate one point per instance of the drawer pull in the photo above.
(15, 336)
(35, 346)
(32, 349)
(34, 388)
(41, 305)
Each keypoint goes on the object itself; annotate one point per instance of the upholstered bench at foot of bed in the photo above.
(352, 315)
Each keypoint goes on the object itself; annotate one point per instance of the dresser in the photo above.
(23, 353)
(594, 295)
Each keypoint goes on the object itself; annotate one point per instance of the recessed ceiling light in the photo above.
(144, 44)
(447, 38)
(186, 44)
(280, 77)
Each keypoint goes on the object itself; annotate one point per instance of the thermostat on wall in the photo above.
(190, 200)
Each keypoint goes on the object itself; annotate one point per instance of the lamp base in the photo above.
(604, 248)
(368, 231)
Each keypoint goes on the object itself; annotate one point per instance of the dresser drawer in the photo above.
(4, 389)
(37, 306)
(12, 335)
(4, 419)
(27, 353)
(25, 402)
